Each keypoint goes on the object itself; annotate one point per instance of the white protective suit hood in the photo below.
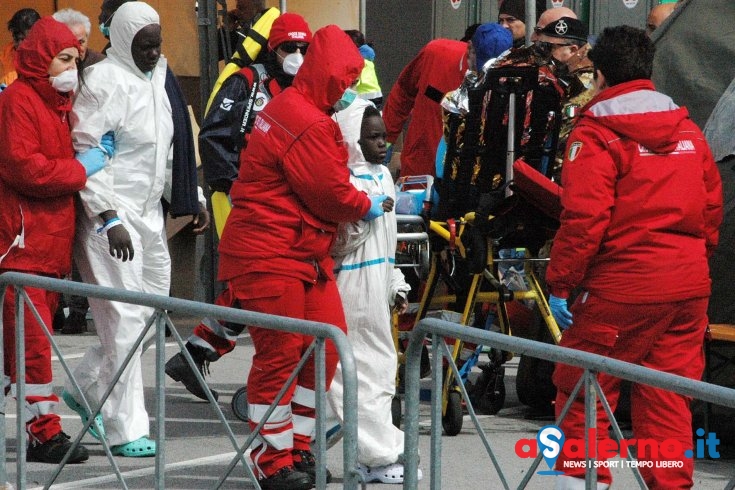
(350, 123)
(352, 235)
(128, 20)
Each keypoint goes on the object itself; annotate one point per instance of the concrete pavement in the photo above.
(198, 451)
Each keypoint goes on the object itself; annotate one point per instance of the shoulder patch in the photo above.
(574, 150)
(226, 104)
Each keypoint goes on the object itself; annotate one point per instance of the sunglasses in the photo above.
(291, 47)
(549, 46)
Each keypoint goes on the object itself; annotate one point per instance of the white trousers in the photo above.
(118, 325)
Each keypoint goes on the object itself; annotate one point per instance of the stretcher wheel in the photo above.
(488, 393)
(424, 260)
(396, 410)
(239, 404)
(452, 419)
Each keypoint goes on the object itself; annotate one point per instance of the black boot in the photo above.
(307, 464)
(178, 369)
(53, 451)
(287, 478)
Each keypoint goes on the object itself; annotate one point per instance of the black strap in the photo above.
(251, 101)
(244, 58)
(434, 94)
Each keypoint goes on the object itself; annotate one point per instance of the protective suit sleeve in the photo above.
(589, 195)
(316, 168)
(398, 285)
(27, 170)
(220, 137)
(97, 110)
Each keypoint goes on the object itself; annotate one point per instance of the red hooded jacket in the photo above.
(38, 172)
(293, 187)
(439, 67)
(642, 201)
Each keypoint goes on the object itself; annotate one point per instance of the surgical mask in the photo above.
(292, 62)
(344, 102)
(66, 81)
(105, 30)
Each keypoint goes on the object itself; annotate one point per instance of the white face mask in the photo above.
(66, 81)
(292, 62)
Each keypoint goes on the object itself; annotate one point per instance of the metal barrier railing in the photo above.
(590, 363)
(162, 305)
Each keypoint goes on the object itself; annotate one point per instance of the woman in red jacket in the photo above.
(39, 175)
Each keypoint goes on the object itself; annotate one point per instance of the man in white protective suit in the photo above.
(370, 284)
(121, 238)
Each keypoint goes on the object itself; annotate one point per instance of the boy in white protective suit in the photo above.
(121, 237)
(370, 284)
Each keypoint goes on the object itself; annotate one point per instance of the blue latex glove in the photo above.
(93, 160)
(560, 312)
(108, 143)
(376, 207)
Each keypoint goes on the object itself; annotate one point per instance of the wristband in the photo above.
(110, 223)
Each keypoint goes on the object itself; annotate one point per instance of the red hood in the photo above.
(46, 39)
(330, 66)
(636, 111)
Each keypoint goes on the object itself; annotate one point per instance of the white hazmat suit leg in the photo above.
(119, 324)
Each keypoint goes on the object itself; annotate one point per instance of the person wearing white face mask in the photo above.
(39, 176)
(223, 135)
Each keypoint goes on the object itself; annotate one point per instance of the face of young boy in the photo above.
(372, 139)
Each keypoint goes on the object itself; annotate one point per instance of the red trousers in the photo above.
(217, 337)
(667, 337)
(41, 423)
(291, 426)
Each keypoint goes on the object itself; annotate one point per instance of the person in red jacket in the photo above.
(292, 190)
(642, 204)
(39, 175)
(439, 67)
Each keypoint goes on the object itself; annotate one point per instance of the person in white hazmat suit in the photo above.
(121, 239)
(370, 285)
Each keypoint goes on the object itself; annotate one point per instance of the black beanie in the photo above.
(517, 8)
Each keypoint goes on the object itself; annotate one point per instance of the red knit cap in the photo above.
(289, 27)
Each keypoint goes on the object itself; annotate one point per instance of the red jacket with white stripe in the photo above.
(294, 186)
(38, 172)
(642, 201)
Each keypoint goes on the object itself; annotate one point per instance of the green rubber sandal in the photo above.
(140, 448)
(84, 415)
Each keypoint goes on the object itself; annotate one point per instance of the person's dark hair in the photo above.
(622, 54)
(357, 37)
(370, 111)
(469, 32)
(113, 5)
(22, 21)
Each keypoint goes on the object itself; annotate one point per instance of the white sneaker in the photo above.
(390, 473)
